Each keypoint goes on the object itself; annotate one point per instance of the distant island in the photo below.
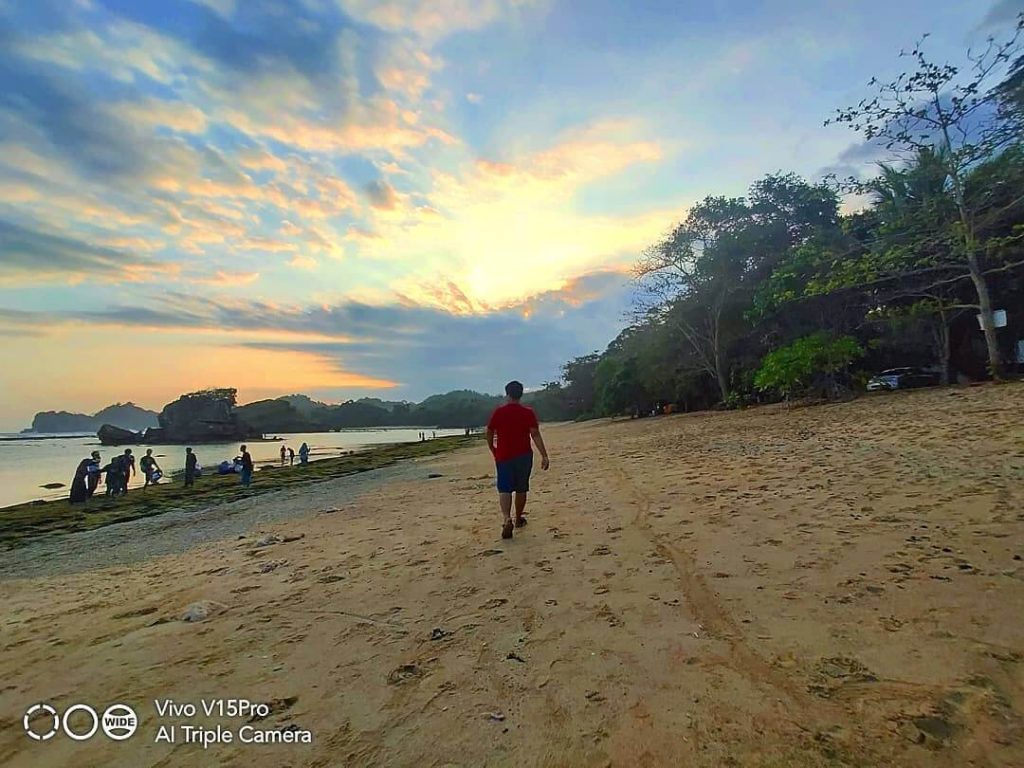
(452, 410)
(124, 415)
(213, 415)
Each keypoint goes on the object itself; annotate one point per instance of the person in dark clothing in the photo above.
(246, 466)
(127, 470)
(113, 472)
(190, 468)
(291, 457)
(92, 480)
(80, 482)
(303, 453)
(283, 452)
(149, 468)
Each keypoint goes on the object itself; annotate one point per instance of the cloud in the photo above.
(424, 348)
(30, 256)
(509, 226)
(405, 68)
(474, 98)
(303, 262)
(258, 159)
(858, 160)
(1002, 13)
(381, 194)
(225, 279)
(224, 8)
(432, 19)
(157, 113)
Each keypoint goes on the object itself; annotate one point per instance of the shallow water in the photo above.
(28, 464)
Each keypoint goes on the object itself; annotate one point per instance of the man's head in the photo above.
(127, 451)
(242, 449)
(514, 391)
(188, 450)
(149, 451)
(96, 455)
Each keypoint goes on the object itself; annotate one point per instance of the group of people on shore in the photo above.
(119, 471)
(116, 474)
(290, 453)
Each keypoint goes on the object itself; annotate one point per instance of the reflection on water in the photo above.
(27, 464)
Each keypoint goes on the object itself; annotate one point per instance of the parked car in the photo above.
(902, 378)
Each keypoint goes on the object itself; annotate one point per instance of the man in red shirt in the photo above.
(508, 436)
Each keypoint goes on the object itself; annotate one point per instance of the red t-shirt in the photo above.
(512, 422)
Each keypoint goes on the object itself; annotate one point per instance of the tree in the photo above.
(814, 361)
(955, 114)
(700, 279)
(578, 375)
(619, 388)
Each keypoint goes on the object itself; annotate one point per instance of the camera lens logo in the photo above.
(90, 731)
(120, 722)
(42, 722)
(42, 711)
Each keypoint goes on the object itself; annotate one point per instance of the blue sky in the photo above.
(347, 198)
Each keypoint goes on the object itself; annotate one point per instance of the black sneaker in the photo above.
(520, 521)
(506, 530)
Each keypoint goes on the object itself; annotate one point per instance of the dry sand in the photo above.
(825, 586)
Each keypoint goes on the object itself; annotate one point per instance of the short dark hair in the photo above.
(514, 389)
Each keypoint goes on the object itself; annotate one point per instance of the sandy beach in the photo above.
(837, 585)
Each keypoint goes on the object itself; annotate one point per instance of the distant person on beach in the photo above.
(93, 474)
(149, 468)
(80, 483)
(246, 466)
(291, 456)
(303, 454)
(284, 451)
(127, 470)
(509, 431)
(190, 468)
(112, 473)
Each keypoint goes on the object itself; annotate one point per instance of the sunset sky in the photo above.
(395, 198)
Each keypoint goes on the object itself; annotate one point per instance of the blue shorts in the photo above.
(514, 473)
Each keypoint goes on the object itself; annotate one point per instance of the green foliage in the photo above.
(279, 415)
(810, 361)
(619, 386)
(228, 395)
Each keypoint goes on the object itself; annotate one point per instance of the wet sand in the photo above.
(826, 586)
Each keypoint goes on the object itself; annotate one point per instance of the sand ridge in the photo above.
(828, 586)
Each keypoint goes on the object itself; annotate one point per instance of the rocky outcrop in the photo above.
(208, 416)
(111, 435)
(204, 417)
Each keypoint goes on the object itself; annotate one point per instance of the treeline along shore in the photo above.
(22, 523)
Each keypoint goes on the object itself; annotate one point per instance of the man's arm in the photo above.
(539, 441)
(490, 440)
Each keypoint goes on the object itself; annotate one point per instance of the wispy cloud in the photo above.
(30, 256)
(433, 19)
(225, 279)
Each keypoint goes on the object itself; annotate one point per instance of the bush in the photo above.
(815, 362)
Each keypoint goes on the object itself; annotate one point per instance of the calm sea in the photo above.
(28, 464)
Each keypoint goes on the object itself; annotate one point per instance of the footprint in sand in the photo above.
(605, 612)
(494, 602)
